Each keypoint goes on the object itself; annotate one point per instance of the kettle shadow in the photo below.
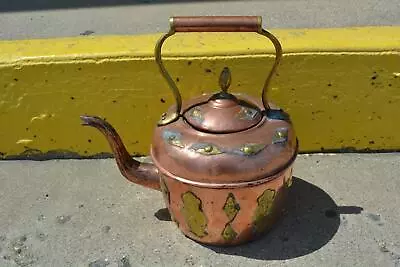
(311, 220)
(163, 215)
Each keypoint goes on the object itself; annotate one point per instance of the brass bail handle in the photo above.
(213, 24)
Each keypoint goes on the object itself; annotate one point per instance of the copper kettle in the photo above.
(223, 161)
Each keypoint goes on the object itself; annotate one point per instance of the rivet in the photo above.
(279, 134)
(247, 150)
(208, 149)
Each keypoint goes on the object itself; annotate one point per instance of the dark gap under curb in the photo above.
(36, 155)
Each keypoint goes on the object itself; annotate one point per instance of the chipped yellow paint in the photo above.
(341, 86)
(40, 117)
(24, 141)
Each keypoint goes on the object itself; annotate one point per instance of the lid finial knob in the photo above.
(225, 79)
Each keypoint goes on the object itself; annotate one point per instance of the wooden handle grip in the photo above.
(216, 24)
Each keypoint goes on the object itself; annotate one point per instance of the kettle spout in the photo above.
(145, 174)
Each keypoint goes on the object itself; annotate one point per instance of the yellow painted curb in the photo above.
(341, 86)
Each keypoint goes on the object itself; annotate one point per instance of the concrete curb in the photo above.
(341, 87)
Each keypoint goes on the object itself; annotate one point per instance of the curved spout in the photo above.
(145, 174)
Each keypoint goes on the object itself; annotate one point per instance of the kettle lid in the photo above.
(223, 112)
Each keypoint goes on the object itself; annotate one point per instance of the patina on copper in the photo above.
(223, 161)
(220, 160)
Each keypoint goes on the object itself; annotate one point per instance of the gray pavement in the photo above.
(343, 212)
(26, 19)
(344, 208)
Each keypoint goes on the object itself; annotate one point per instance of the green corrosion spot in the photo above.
(263, 209)
(193, 213)
(229, 234)
(231, 207)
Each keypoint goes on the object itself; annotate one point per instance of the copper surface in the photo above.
(222, 116)
(229, 165)
(222, 161)
(212, 202)
(145, 174)
(223, 112)
(216, 24)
